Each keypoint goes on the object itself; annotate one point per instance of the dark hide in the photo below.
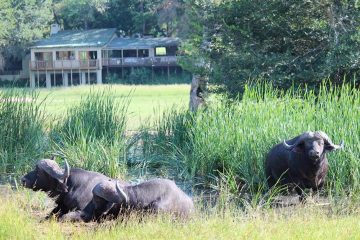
(157, 195)
(73, 198)
(300, 162)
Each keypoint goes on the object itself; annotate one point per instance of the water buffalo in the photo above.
(157, 195)
(300, 162)
(70, 188)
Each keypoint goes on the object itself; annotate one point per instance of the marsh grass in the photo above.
(97, 116)
(92, 134)
(234, 137)
(22, 136)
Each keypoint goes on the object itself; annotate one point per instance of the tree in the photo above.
(22, 21)
(170, 15)
(285, 42)
(80, 14)
(7, 22)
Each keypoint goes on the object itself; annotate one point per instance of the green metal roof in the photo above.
(135, 43)
(77, 38)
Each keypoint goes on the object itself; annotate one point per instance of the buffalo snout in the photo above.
(28, 180)
(313, 154)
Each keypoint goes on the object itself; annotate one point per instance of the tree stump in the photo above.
(197, 92)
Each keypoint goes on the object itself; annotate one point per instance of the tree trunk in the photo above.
(196, 92)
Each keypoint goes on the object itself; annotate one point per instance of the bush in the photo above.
(143, 75)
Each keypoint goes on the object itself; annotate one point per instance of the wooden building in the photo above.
(74, 57)
(69, 58)
(141, 52)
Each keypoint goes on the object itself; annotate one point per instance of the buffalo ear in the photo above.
(329, 147)
(61, 187)
(299, 148)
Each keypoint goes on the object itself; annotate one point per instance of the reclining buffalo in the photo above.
(70, 188)
(154, 196)
(300, 162)
(82, 195)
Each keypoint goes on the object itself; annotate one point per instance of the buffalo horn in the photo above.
(121, 192)
(328, 141)
(66, 171)
(287, 146)
(53, 169)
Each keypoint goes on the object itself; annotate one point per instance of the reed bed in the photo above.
(92, 134)
(22, 136)
(234, 137)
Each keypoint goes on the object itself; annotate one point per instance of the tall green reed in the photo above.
(236, 136)
(98, 116)
(92, 134)
(22, 137)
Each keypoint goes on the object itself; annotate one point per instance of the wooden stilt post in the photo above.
(38, 78)
(71, 76)
(168, 72)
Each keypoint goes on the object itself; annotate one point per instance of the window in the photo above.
(172, 50)
(160, 51)
(143, 52)
(43, 56)
(65, 55)
(87, 55)
(130, 53)
(115, 53)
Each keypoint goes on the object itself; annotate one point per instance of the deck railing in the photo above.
(111, 62)
(64, 64)
(136, 62)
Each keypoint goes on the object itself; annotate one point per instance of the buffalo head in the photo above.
(313, 144)
(47, 176)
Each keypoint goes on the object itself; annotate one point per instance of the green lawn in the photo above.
(145, 99)
(22, 217)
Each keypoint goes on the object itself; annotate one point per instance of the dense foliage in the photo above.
(21, 21)
(285, 42)
(229, 41)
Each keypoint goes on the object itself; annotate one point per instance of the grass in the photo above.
(22, 136)
(221, 146)
(234, 137)
(144, 101)
(85, 125)
(22, 218)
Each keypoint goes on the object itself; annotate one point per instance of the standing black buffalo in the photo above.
(71, 188)
(300, 161)
(157, 195)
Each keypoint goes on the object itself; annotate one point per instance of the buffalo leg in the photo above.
(75, 216)
(301, 194)
(103, 211)
(55, 211)
(271, 181)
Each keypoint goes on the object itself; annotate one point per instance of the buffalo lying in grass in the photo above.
(300, 161)
(157, 195)
(70, 188)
